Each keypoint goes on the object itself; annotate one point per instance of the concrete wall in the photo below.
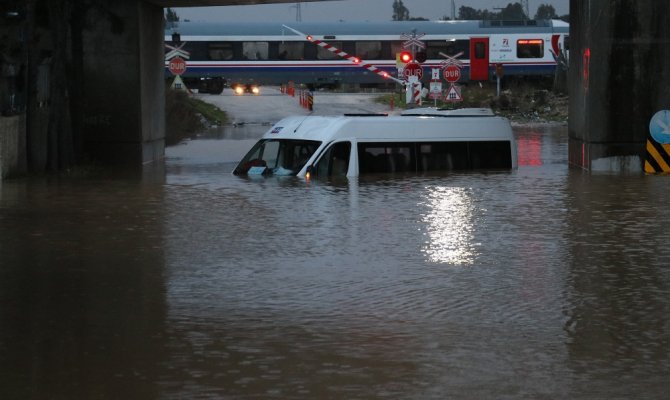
(619, 77)
(12, 130)
(124, 102)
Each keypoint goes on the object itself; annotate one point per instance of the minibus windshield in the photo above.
(277, 157)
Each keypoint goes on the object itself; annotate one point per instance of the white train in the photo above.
(269, 53)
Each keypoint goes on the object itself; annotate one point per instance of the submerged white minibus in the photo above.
(419, 141)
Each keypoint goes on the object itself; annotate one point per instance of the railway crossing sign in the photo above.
(451, 60)
(412, 69)
(412, 41)
(177, 51)
(177, 66)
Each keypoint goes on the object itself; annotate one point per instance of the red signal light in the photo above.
(405, 57)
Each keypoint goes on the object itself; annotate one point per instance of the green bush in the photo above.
(184, 116)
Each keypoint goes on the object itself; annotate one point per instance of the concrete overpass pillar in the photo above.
(619, 78)
(123, 92)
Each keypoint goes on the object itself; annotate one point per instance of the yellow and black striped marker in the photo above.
(658, 157)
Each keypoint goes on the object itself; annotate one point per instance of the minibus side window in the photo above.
(442, 156)
(490, 154)
(335, 161)
(386, 158)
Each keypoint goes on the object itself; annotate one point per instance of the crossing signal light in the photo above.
(405, 57)
(421, 57)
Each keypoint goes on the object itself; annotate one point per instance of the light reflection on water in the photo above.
(449, 227)
(543, 282)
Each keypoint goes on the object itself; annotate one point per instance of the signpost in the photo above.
(176, 61)
(413, 72)
(451, 69)
(435, 86)
(499, 74)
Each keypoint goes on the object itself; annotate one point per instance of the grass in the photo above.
(518, 101)
(213, 114)
(473, 96)
(185, 116)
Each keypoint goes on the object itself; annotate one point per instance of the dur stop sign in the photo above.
(452, 73)
(177, 66)
(413, 69)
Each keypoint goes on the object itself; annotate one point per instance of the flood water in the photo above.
(187, 282)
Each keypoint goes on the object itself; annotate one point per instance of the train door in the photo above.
(479, 59)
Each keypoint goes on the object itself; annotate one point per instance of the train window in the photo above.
(198, 50)
(369, 50)
(530, 48)
(480, 50)
(449, 47)
(396, 47)
(323, 54)
(291, 50)
(255, 50)
(220, 51)
(566, 42)
(435, 47)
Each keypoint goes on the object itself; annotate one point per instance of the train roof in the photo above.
(346, 28)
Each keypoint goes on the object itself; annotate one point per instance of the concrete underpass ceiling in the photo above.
(207, 3)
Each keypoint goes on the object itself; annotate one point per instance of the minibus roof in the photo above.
(421, 127)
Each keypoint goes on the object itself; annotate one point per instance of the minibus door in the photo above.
(335, 161)
(479, 59)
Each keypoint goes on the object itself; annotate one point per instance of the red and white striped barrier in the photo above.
(345, 55)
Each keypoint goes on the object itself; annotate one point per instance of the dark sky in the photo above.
(351, 10)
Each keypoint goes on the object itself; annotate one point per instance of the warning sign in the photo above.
(453, 94)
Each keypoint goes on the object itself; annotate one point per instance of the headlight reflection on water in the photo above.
(449, 226)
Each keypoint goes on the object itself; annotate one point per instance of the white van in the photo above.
(420, 140)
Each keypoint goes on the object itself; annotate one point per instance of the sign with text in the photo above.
(177, 66)
(452, 73)
(413, 69)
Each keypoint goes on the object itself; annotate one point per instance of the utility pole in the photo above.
(526, 9)
(298, 13)
(453, 10)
